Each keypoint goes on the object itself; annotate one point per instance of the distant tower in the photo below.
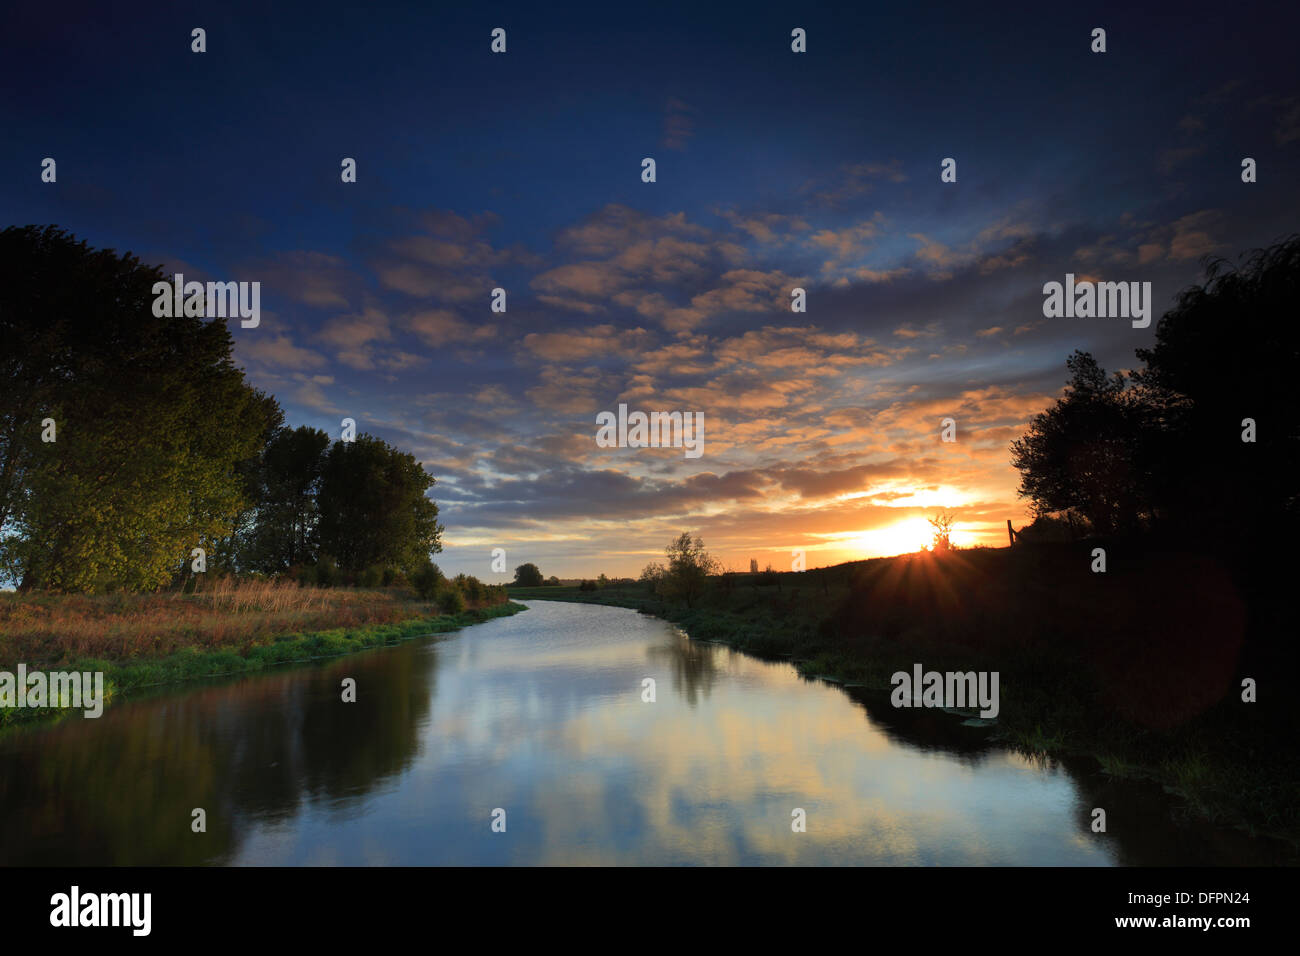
(753, 565)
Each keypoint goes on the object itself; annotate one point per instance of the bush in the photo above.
(587, 586)
(326, 573)
(471, 587)
(427, 580)
(369, 578)
(450, 600)
(388, 578)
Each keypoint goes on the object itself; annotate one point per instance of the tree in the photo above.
(1085, 452)
(689, 566)
(652, 576)
(1228, 351)
(1172, 446)
(286, 482)
(373, 507)
(942, 524)
(528, 576)
(154, 424)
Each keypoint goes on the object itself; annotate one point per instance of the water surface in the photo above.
(541, 715)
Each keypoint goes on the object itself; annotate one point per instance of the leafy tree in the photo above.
(1229, 350)
(1084, 452)
(373, 508)
(286, 481)
(154, 423)
(528, 576)
(1165, 448)
(689, 567)
(652, 575)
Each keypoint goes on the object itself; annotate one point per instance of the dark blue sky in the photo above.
(774, 169)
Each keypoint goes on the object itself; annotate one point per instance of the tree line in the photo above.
(128, 440)
(1201, 443)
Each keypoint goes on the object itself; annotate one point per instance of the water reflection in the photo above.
(121, 789)
(542, 715)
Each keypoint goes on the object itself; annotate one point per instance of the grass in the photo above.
(50, 629)
(147, 640)
(1138, 669)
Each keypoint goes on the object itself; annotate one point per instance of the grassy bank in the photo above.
(50, 629)
(1139, 668)
(143, 641)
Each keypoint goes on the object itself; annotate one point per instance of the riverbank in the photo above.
(1139, 669)
(367, 619)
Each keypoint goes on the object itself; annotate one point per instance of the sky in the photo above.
(774, 170)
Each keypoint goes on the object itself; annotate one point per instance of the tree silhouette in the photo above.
(1168, 446)
(942, 524)
(1228, 351)
(1083, 453)
(689, 565)
(528, 576)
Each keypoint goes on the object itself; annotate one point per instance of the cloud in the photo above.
(678, 125)
(278, 351)
(313, 278)
(439, 327)
(857, 179)
(1191, 239)
(600, 341)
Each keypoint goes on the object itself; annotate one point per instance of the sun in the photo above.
(902, 537)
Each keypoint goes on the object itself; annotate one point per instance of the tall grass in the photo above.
(231, 614)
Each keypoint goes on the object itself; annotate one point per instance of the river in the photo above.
(541, 716)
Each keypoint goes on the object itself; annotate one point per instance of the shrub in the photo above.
(587, 586)
(450, 600)
(427, 580)
(326, 573)
(473, 589)
(369, 578)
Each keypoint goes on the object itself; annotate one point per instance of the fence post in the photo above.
(1011, 535)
